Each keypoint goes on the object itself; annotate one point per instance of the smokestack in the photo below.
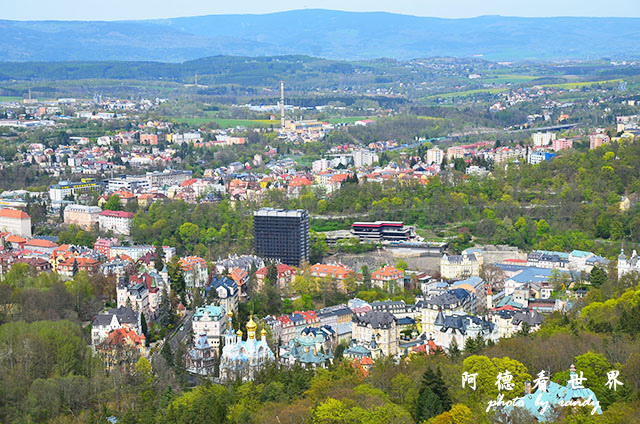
(282, 104)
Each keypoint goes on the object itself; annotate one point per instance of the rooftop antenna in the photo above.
(282, 104)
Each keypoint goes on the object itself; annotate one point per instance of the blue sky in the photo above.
(151, 9)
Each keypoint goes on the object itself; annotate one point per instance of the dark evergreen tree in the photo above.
(272, 273)
(433, 397)
(165, 315)
(598, 276)
(158, 261)
(74, 270)
(167, 353)
(143, 326)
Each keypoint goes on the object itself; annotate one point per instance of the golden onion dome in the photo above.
(239, 333)
(230, 313)
(251, 326)
(263, 333)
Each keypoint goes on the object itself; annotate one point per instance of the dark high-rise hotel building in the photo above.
(281, 235)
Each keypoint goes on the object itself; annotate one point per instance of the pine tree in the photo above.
(143, 326)
(159, 259)
(74, 270)
(166, 352)
(433, 397)
(165, 316)
(272, 273)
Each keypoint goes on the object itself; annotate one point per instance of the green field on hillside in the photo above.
(572, 85)
(468, 93)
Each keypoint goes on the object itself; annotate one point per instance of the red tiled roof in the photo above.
(41, 243)
(338, 178)
(387, 271)
(13, 213)
(15, 239)
(119, 337)
(300, 181)
(117, 214)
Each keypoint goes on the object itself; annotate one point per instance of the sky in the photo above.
(154, 9)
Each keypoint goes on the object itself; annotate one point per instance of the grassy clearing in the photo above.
(468, 93)
(572, 85)
(508, 78)
(229, 123)
(429, 118)
(254, 123)
(348, 120)
(10, 99)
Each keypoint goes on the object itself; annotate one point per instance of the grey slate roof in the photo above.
(125, 316)
(375, 319)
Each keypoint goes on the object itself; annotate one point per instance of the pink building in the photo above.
(597, 140)
(561, 144)
(103, 245)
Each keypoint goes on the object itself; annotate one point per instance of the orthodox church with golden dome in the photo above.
(242, 359)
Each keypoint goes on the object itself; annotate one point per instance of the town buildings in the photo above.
(336, 272)
(85, 217)
(15, 221)
(118, 222)
(382, 230)
(537, 157)
(378, 326)
(195, 270)
(543, 138)
(282, 235)
(201, 357)
(434, 156)
(121, 350)
(388, 278)
(209, 320)
(460, 266)
(458, 328)
(242, 359)
(309, 349)
(66, 190)
(286, 275)
(225, 291)
(111, 320)
(626, 265)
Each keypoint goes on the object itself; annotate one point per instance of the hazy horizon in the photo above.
(121, 10)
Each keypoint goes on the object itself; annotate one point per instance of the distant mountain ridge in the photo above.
(321, 33)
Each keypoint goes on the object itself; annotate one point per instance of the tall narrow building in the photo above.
(282, 235)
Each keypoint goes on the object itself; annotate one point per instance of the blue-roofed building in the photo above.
(453, 301)
(548, 259)
(225, 292)
(460, 328)
(596, 260)
(312, 348)
(243, 359)
(477, 288)
(556, 396)
(200, 358)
